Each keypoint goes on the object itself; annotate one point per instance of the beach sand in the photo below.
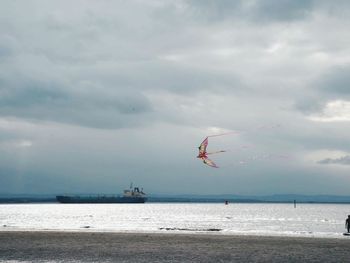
(130, 247)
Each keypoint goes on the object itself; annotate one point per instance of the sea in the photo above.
(306, 220)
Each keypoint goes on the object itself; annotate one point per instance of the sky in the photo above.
(95, 95)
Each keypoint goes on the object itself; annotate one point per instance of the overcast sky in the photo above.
(97, 94)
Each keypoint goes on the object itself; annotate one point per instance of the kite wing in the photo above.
(203, 147)
(209, 162)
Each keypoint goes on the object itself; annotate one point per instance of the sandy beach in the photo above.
(131, 247)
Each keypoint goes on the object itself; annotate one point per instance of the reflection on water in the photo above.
(319, 220)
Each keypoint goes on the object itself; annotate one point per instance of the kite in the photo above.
(203, 154)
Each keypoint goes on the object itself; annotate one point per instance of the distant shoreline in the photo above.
(133, 247)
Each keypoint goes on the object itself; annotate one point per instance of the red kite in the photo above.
(203, 154)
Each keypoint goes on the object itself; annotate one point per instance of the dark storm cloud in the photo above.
(344, 160)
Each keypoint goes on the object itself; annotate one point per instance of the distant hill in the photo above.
(11, 199)
(281, 198)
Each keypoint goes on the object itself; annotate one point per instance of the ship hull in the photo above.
(99, 199)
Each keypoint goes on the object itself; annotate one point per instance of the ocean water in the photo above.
(311, 220)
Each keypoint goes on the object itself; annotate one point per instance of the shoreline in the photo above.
(180, 232)
(190, 232)
(58, 246)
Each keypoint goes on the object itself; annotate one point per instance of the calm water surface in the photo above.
(317, 220)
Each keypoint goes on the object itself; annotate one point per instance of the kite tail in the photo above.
(216, 152)
(222, 134)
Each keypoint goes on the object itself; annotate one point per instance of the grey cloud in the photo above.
(184, 80)
(33, 181)
(258, 11)
(8, 46)
(32, 93)
(122, 64)
(334, 84)
(87, 105)
(339, 7)
(214, 10)
(336, 81)
(281, 10)
(98, 97)
(160, 74)
(5, 51)
(344, 160)
(309, 104)
(7, 178)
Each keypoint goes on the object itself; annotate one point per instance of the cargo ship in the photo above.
(132, 195)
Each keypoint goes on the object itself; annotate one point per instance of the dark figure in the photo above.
(347, 223)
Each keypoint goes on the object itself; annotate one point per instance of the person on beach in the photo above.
(347, 223)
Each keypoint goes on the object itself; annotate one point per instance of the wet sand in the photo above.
(121, 247)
